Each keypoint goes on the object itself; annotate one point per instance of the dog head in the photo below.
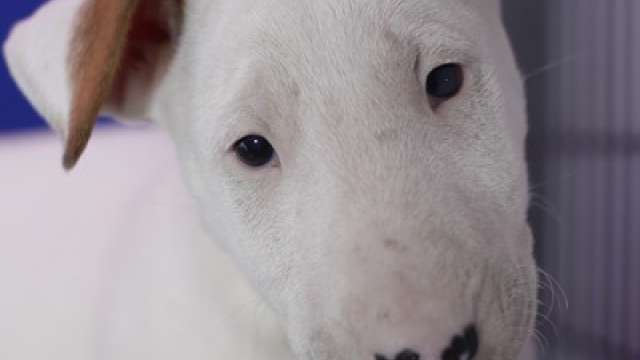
(362, 161)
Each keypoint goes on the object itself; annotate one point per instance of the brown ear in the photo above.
(115, 43)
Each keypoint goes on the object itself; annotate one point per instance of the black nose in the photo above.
(463, 347)
(407, 354)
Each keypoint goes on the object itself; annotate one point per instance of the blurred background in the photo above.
(580, 59)
(16, 113)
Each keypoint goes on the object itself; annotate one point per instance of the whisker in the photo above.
(538, 202)
(556, 283)
(554, 327)
(560, 176)
(540, 339)
(542, 342)
(546, 284)
(545, 69)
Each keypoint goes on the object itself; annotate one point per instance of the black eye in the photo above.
(254, 150)
(445, 81)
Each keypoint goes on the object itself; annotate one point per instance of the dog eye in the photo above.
(254, 150)
(445, 81)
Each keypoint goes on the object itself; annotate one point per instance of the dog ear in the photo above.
(76, 59)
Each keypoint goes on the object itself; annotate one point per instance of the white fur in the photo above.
(385, 225)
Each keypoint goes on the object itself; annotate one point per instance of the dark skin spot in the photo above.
(394, 245)
(385, 136)
(383, 315)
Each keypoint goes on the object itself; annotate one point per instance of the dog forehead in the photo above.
(262, 55)
(282, 40)
(335, 20)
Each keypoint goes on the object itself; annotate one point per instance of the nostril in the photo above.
(407, 354)
(473, 341)
(463, 347)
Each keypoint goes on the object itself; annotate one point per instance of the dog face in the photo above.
(361, 160)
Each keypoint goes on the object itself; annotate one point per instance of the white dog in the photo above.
(360, 161)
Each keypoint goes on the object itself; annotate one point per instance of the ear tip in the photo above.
(70, 159)
(68, 164)
(76, 142)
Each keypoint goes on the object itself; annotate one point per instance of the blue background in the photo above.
(16, 112)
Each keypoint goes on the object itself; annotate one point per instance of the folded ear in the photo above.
(75, 59)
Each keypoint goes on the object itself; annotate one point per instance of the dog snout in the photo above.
(463, 346)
